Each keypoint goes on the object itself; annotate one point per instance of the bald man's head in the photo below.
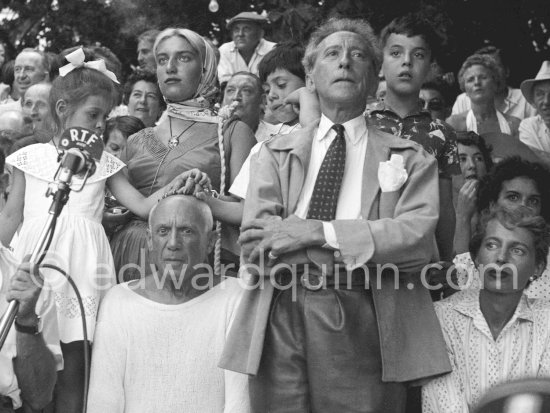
(180, 232)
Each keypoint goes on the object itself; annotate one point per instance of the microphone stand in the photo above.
(60, 190)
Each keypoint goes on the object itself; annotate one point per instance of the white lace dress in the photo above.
(79, 245)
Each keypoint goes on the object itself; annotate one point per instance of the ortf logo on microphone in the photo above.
(84, 140)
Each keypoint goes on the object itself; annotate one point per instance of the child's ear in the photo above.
(310, 84)
(61, 108)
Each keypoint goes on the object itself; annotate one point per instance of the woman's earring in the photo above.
(533, 278)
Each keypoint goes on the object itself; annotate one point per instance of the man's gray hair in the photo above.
(333, 25)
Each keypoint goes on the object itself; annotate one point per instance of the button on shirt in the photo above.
(349, 199)
(522, 350)
(232, 62)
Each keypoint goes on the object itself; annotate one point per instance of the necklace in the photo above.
(175, 140)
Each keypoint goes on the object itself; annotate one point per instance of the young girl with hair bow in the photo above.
(82, 96)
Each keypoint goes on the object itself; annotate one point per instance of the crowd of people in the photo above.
(320, 227)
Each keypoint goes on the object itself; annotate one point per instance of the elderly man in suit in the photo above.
(318, 336)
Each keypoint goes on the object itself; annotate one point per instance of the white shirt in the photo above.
(349, 199)
(232, 62)
(153, 357)
(514, 105)
(522, 350)
(45, 307)
(535, 133)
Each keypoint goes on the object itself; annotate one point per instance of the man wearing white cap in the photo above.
(247, 48)
(535, 131)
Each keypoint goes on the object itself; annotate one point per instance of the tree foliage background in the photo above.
(519, 27)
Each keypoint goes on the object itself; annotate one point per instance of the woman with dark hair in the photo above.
(481, 77)
(513, 184)
(475, 160)
(143, 97)
(497, 333)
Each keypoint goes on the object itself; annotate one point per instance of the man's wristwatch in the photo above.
(34, 329)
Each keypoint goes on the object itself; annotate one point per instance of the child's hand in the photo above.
(308, 104)
(189, 183)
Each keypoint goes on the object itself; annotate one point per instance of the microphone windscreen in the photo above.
(84, 139)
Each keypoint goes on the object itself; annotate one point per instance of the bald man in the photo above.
(166, 358)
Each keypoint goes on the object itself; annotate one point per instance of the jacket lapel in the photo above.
(296, 164)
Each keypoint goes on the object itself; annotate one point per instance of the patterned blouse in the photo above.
(435, 136)
(522, 350)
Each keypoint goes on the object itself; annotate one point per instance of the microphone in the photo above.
(81, 151)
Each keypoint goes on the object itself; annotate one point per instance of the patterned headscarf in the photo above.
(206, 91)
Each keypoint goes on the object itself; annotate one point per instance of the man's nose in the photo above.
(173, 241)
(345, 59)
(238, 96)
(406, 59)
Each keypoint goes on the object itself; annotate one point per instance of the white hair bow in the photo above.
(76, 59)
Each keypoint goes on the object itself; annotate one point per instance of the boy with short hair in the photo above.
(409, 45)
(282, 73)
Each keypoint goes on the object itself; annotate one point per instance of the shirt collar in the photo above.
(384, 107)
(542, 124)
(468, 305)
(355, 128)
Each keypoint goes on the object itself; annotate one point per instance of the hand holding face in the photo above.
(467, 197)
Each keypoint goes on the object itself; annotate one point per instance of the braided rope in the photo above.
(224, 115)
(218, 246)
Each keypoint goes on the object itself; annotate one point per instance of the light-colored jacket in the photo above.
(403, 234)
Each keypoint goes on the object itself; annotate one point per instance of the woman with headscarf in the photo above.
(188, 136)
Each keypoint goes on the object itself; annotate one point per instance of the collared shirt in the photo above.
(435, 136)
(535, 133)
(514, 105)
(232, 62)
(45, 307)
(479, 362)
(349, 199)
